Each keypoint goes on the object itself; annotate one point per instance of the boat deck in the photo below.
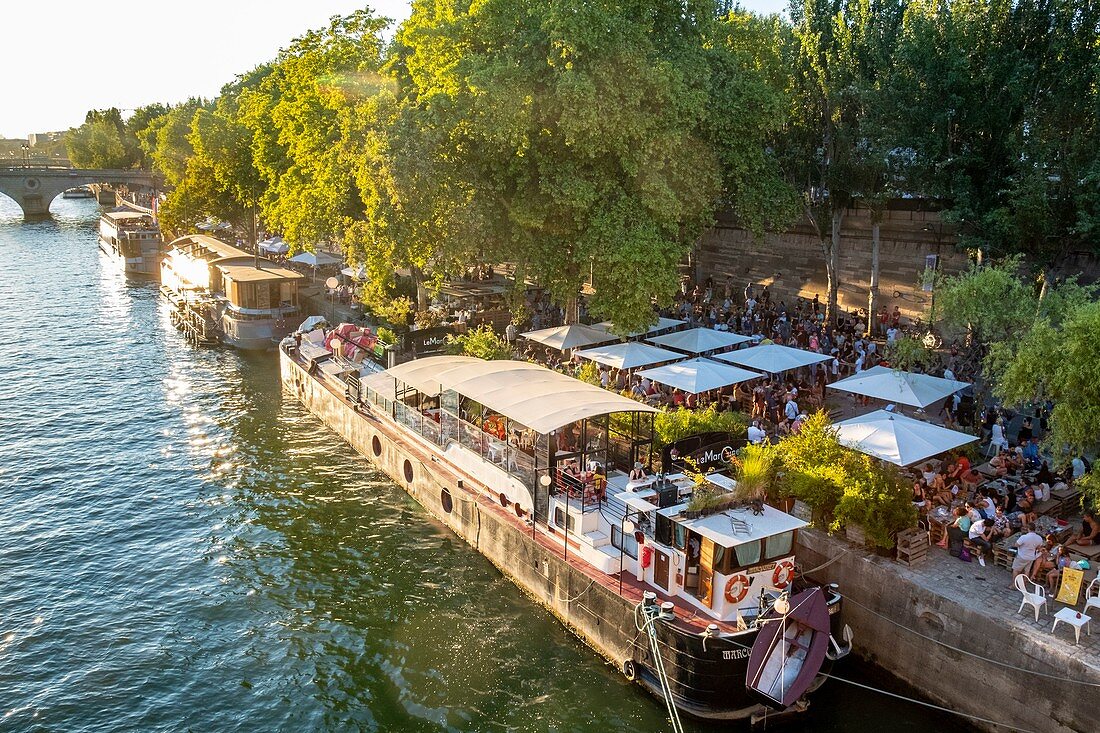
(632, 589)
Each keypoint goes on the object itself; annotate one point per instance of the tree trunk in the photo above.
(872, 290)
(832, 266)
(423, 299)
(572, 311)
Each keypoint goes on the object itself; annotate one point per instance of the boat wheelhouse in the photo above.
(530, 466)
(133, 239)
(220, 293)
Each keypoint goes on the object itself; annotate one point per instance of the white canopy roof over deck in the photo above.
(529, 394)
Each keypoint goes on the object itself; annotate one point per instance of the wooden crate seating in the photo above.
(912, 546)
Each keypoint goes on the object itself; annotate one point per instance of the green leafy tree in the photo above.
(306, 119)
(833, 153)
(101, 142)
(481, 342)
(580, 131)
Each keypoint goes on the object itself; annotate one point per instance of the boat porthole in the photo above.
(445, 500)
(504, 499)
(629, 670)
(408, 471)
(519, 511)
(376, 446)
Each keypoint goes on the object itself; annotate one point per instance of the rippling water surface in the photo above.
(182, 548)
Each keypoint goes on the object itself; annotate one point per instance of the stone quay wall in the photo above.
(883, 599)
(792, 263)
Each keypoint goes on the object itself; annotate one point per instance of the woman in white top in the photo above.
(999, 438)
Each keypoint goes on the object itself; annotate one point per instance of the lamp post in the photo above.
(26, 155)
(332, 283)
(622, 543)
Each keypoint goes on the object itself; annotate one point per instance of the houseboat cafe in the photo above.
(533, 468)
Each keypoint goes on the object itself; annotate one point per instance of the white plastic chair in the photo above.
(1036, 597)
(1092, 594)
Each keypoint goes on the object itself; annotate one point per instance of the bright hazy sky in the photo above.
(63, 58)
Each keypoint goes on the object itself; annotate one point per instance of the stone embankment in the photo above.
(951, 631)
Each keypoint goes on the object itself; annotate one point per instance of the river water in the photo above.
(184, 548)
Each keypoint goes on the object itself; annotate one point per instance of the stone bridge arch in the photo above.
(35, 188)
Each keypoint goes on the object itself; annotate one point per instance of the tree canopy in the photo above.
(597, 140)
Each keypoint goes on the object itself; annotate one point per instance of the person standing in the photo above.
(1027, 549)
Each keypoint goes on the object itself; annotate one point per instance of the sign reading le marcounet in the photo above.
(707, 450)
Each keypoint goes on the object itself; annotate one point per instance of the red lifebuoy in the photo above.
(647, 556)
(737, 587)
(783, 573)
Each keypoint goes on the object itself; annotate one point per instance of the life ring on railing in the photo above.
(783, 573)
(737, 587)
(647, 556)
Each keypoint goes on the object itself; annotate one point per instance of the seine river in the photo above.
(182, 548)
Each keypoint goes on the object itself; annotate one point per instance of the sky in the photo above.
(81, 54)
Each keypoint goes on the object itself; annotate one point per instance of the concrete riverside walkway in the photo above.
(988, 591)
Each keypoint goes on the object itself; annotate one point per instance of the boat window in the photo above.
(748, 553)
(721, 560)
(560, 519)
(627, 543)
(779, 544)
(679, 536)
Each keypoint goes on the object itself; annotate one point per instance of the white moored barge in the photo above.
(133, 239)
(526, 465)
(222, 294)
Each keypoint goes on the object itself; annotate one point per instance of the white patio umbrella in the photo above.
(893, 385)
(274, 246)
(569, 337)
(315, 259)
(629, 355)
(898, 439)
(773, 358)
(698, 375)
(662, 324)
(355, 273)
(699, 340)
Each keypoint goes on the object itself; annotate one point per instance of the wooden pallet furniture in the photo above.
(913, 546)
(1004, 552)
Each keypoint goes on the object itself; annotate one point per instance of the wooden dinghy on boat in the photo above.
(789, 650)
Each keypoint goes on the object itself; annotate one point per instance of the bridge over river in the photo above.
(34, 187)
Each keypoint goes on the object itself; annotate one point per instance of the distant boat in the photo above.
(80, 192)
(132, 239)
(789, 650)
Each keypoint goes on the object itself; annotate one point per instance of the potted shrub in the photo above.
(875, 504)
